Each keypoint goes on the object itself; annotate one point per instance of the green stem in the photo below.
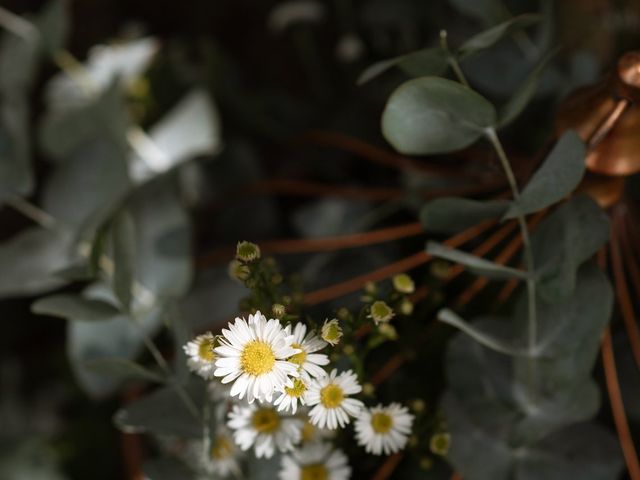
(29, 210)
(492, 136)
(453, 61)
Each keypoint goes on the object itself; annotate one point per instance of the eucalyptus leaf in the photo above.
(30, 260)
(488, 12)
(525, 92)
(583, 451)
(557, 177)
(121, 368)
(428, 61)
(490, 37)
(563, 241)
(53, 24)
(123, 241)
(474, 263)
(166, 469)
(74, 307)
(190, 129)
(164, 412)
(434, 115)
(101, 117)
(453, 214)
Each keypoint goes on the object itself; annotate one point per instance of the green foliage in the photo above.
(476, 264)
(453, 214)
(556, 178)
(564, 240)
(429, 61)
(492, 36)
(74, 307)
(434, 115)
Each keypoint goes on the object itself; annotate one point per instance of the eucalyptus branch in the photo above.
(492, 136)
(29, 210)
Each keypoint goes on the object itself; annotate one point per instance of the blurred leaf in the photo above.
(525, 92)
(84, 190)
(122, 368)
(63, 132)
(428, 61)
(30, 260)
(583, 451)
(478, 265)
(123, 240)
(119, 64)
(264, 469)
(192, 128)
(453, 214)
(166, 469)
(53, 24)
(557, 177)
(434, 115)
(163, 412)
(563, 241)
(74, 307)
(29, 459)
(488, 12)
(163, 233)
(117, 337)
(486, 39)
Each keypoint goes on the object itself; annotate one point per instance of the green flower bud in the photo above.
(440, 443)
(238, 271)
(381, 312)
(331, 331)
(403, 283)
(247, 252)
(278, 310)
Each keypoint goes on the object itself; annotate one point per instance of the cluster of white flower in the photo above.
(267, 372)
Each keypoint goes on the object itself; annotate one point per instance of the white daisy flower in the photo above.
(253, 355)
(201, 356)
(308, 361)
(313, 434)
(223, 456)
(290, 396)
(262, 427)
(330, 395)
(317, 461)
(384, 429)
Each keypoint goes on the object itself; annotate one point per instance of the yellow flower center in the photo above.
(298, 358)
(316, 471)
(265, 420)
(308, 432)
(297, 390)
(332, 332)
(331, 396)
(381, 422)
(205, 350)
(221, 448)
(257, 358)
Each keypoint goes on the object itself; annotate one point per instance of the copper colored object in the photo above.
(605, 190)
(607, 117)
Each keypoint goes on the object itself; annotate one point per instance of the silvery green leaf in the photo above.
(525, 92)
(30, 259)
(434, 115)
(453, 214)
(123, 61)
(476, 264)
(190, 129)
(565, 239)
(74, 307)
(557, 177)
(121, 368)
(123, 246)
(163, 412)
(428, 61)
(53, 24)
(486, 39)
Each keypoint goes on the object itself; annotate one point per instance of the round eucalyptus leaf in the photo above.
(435, 115)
